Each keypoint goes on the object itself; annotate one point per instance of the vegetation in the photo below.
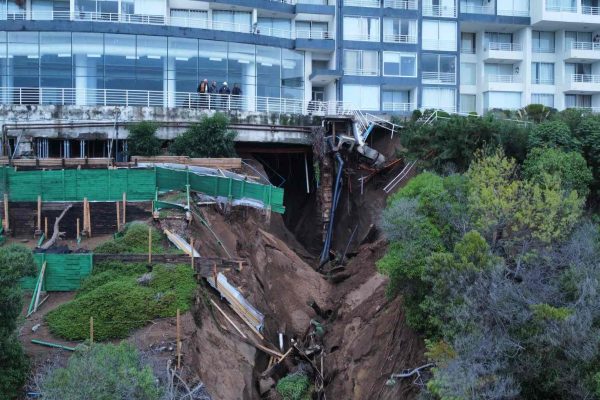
(210, 137)
(119, 301)
(294, 386)
(142, 140)
(133, 240)
(102, 371)
(498, 261)
(16, 262)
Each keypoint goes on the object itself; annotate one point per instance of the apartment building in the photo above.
(386, 56)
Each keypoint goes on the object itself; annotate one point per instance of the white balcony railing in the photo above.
(511, 12)
(361, 71)
(392, 38)
(430, 10)
(443, 45)
(446, 78)
(543, 81)
(504, 46)
(589, 10)
(143, 98)
(362, 37)
(581, 78)
(401, 4)
(494, 78)
(398, 107)
(468, 8)
(585, 46)
(561, 6)
(187, 22)
(362, 3)
(313, 34)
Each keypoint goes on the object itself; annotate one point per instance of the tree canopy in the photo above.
(211, 137)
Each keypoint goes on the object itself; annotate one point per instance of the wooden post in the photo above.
(85, 218)
(215, 276)
(118, 217)
(149, 245)
(78, 230)
(89, 215)
(178, 341)
(91, 330)
(192, 252)
(46, 227)
(124, 207)
(39, 214)
(6, 219)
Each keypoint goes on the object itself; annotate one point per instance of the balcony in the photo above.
(430, 10)
(313, 40)
(398, 107)
(401, 4)
(361, 71)
(393, 38)
(579, 83)
(363, 37)
(560, 6)
(362, 3)
(469, 8)
(439, 78)
(583, 51)
(440, 45)
(503, 52)
(589, 10)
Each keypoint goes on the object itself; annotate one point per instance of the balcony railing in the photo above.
(393, 38)
(313, 34)
(362, 37)
(504, 46)
(582, 78)
(542, 49)
(468, 8)
(361, 71)
(143, 98)
(494, 78)
(589, 10)
(511, 12)
(443, 45)
(430, 10)
(398, 107)
(401, 4)
(362, 3)
(585, 46)
(560, 6)
(446, 78)
(543, 81)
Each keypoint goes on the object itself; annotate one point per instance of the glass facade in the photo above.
(89, 61)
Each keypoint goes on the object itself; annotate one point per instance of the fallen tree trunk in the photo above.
(56, 233)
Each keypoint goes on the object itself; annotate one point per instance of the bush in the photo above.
(555, 134)
(103, 371)
(14, 367)
(142, 140)
(121, 304)
(133, 241)
(294, 387)
(208, 138)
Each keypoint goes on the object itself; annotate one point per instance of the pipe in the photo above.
(306, 173)
(334, 203)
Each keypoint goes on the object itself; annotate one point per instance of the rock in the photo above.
(35, 327)
(265, 384)
(145, 279)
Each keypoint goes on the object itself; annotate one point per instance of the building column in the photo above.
(526, 72)
(169, 82)
(307, 72)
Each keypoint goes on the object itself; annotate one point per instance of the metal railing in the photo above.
(313, 34)
(585, 46)
(468, 8)
(398, 107)
(511, 12)
(494, 78)
(444, 45)
(393, 38)
(540, 49)
(496, 46)
(589, 10)
(542, 81)
(362, 37)
(401, 4)
(144, 98)
(362, 3)
(448, 78)
(430, 10)
(584, 78)
(361, 71)
(560, 6)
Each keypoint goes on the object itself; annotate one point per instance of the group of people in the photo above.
(223, 97)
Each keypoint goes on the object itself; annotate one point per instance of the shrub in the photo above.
(122, 304)
(103, 371)
(142, 140)
(133, 241)
(14, 366)
(294, 387)
(208, 138)
(554, 134)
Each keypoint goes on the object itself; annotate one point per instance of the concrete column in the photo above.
(169, 82)
(560, 78)
(72, 9)
(307, 72)
(526, 72)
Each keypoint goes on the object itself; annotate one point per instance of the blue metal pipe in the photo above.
(334, 202)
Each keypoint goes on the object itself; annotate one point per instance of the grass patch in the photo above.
(294, 387)
(134, 240)
(120, 304)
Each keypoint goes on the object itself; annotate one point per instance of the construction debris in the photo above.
(57, 233)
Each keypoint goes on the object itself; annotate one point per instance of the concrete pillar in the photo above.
(72, 9)
(307, 72)
(526, 72)
(169, 82)
(560, 78)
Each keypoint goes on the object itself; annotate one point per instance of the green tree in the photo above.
(142, 140)
(554, 134)
(16, 262)
(570, 167)
(102, 372)
(208, 138)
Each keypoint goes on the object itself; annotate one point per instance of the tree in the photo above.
(554, 134)
(142, 140)
(208, 138)
(570, 167)
(16, 262)
(102, 371)
(536, 113)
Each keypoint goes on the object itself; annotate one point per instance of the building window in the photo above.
(189, 18)
(467, 43)
(235, 21)
(361, 28)
(577, 39)
(364, 97)
(396, 100)
(279, 27)
(542, 73)
(439, 8)
(439, 35)
(514, 8)
(501, 73)
(312, 30)
(543, 98)
(468, 73)
(361, 62)
(578, 101)
(396, 30)
(543, 42)
(439, 99)
(437, 69)
(399, 64)
(502, 100)
(468, 103)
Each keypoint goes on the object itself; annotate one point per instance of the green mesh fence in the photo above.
(139, 184)
(64, 272)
